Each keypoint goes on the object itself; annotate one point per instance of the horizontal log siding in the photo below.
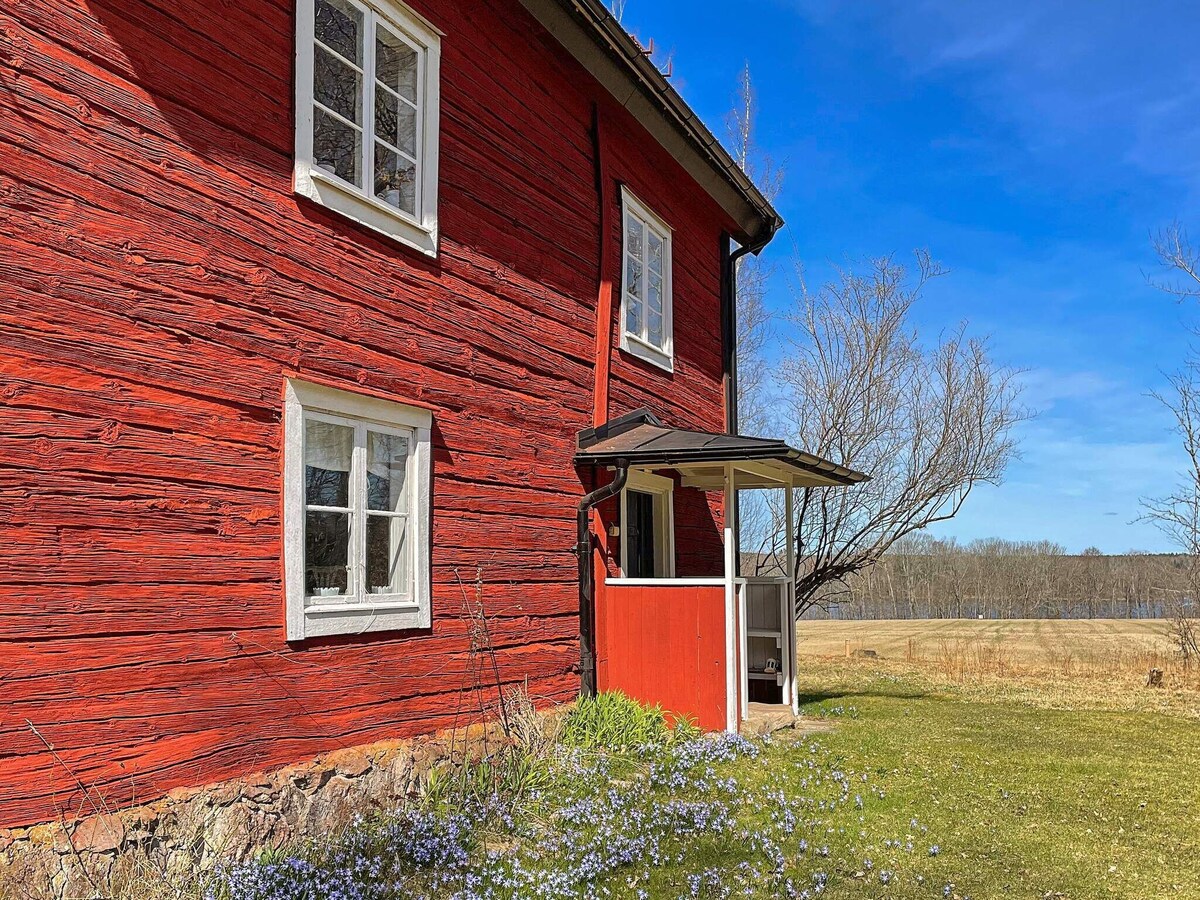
(159, 279)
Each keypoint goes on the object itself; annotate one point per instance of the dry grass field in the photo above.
(1036, 642)
(1060, 664)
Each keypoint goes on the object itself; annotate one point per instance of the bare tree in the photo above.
(1178, 514)
(754, 320)
(754, 330)
(924, 577)
(1179, 257)
(927, 422)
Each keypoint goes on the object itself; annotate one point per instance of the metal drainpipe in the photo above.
(587, 598)
(731, 386)
(731, 326)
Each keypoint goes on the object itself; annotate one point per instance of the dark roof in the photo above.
(592, 34)
(642, 440)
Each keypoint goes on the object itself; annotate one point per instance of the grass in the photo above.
(1026, 801)
(675, 816)
(1046, 648)
(950, 773)
(926, 787)
(612, 722)
(1096, 665)
(1028, 641)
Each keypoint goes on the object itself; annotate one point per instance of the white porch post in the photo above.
(731, 626)
(790, 624)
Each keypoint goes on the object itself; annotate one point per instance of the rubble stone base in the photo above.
(155, 850)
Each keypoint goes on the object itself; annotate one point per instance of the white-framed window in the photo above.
(367, 89)
(646, 284)
(356, 513)
(648, 526)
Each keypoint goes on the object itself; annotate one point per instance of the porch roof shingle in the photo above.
(643, 441)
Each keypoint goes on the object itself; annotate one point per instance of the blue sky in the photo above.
(1032, 147)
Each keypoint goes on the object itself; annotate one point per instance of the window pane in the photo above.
(328, 450)
(654, 297)
(340, 27)
(337, 148)
(387, 465)
(337, 86)
(396, 64)
(656, 253)
(654, 331)
(395, 121)
(633, 237)
(326, 554)
(633, 295)
(387, 568)
(633, 316)
(633, 277)
(395, 180)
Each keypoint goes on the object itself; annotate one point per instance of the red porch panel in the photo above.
(665, 644)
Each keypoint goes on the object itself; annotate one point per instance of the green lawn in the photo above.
(919, 790)
(1024, 802)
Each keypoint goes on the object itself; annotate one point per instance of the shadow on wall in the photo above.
(699, 538)
(210, 99)
(214, 78)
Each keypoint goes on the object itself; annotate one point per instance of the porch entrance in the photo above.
(640, 533)
(707, 646)
(770, 623)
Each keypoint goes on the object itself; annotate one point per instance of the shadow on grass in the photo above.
(893, 694)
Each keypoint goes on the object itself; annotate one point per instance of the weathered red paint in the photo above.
(665, 644)
(158, 279)
(604, 300)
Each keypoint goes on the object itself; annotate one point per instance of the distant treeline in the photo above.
(928, 578)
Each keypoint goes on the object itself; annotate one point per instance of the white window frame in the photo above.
(419, 231)
(359, 613)
(663, 489)
(637, 344)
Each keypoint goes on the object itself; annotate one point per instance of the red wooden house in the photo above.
(318, 321)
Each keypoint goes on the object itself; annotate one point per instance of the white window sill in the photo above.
(333, 193)
(318, 605)
(326, 620)
(635, 346)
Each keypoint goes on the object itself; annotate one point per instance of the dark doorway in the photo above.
(640, 535)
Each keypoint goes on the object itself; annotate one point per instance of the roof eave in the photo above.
(598, 41)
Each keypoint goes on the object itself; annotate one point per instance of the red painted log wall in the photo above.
(665, 645)
(158, 278)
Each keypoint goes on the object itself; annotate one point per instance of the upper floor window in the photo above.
(367, 115)
(646, 284)
(356, 513)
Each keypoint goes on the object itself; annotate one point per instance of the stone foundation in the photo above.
(161, 848)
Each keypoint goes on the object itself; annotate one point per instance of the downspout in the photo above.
(604, 316)
(587, 604)
(729, 263)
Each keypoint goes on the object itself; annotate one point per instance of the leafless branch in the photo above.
(1181, 260)
(928, 422)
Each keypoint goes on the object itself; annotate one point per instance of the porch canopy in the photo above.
(702, 457)
(697, 646)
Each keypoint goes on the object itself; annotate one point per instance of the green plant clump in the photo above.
(611, 721)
